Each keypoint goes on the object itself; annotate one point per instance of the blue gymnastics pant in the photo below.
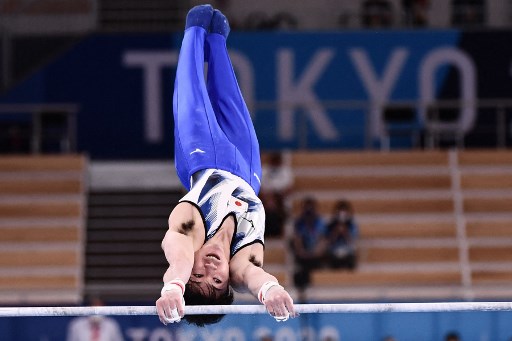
(212, 125)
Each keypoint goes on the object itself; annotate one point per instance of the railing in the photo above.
(440, 123)
(5, 58)
(36, 112)
(437, 120)
(48, 17)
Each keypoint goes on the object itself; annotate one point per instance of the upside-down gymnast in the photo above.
(215, 238)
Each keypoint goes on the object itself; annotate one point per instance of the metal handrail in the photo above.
(36, 111)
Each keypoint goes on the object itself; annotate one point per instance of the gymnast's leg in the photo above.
(199, 141)
(230, 109)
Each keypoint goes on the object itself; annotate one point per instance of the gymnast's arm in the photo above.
(181, 240)
(247, 275)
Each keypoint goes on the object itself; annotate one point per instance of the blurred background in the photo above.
(385, 128)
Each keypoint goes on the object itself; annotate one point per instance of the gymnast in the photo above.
(214, 243)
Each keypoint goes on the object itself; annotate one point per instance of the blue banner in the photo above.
(303, 89)
(474, 326)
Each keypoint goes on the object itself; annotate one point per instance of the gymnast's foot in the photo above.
(219, 24)
(200, 16)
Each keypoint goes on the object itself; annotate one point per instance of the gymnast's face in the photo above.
(211, 269)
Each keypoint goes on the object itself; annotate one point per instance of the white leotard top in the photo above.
(218, 194)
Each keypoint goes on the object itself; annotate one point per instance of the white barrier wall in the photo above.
(325, 14)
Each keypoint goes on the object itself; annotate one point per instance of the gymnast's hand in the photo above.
(171, 304)
(277, 301)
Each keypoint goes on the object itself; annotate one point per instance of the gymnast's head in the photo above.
(208, 283)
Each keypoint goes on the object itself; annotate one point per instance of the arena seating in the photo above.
(124, 258)
(432, 223)
(276, 260)
(42, 211)
(142, 16)
(46, 7)
(486, 182)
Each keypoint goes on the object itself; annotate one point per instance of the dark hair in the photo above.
(343, 205)
(309, 202)
(276, 159)
(194, 295)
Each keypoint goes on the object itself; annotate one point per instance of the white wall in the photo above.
(325, 14)
(440, 13)
(317, 14)
(499, 13)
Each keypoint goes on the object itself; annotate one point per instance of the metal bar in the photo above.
(260, 309)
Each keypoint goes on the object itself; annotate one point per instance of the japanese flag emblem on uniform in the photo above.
(238, 205)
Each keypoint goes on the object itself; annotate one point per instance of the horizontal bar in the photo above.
(260, 309)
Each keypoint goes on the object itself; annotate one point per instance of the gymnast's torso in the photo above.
(218, 194)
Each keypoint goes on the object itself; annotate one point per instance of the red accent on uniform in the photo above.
(238, 203)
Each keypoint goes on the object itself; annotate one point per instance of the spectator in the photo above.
(284, 21)
(389, 338)
(94, 328)
(452, 336)
(278, 177)
(342, 233)
(468, 13)
(377, 13)
(309, 244)
(280, 21)
(415, 12)
(263, 334)
(276, 185)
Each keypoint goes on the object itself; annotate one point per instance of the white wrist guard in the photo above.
(264, 288)
(173, 285)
